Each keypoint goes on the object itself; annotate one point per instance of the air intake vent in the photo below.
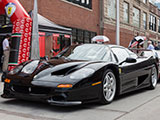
(64, 71)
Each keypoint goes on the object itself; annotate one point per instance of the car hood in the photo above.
(62, 71)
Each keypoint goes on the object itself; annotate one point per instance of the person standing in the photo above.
(156, 46)
(150, 45)
(1, 53)
(6, 51)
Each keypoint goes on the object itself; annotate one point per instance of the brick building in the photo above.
(82, 16)
(137, 17)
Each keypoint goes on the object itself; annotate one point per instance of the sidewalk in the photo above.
(6, 116)
(148, 111)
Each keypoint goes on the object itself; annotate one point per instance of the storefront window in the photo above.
(145, 21)
(82, 36)
(136, 17)
(87, 37)
(126, 12)
(159, 26)
(112, 9)
(152, 23)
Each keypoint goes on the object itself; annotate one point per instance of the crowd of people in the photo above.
(153, 46)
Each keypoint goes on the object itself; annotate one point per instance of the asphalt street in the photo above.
(140, 105)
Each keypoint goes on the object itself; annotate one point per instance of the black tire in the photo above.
(108, 88)
(153, 78)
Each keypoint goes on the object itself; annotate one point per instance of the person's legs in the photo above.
(5, 61)
(1, 62)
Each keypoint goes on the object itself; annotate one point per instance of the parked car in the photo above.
(155, 54)
(81, 74)
(148, 53)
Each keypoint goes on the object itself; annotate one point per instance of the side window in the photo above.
(113, 58)
(120, 53)
(109, 57)
(132, 54)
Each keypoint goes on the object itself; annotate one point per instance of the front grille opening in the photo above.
(58, 98)
(31, 90)
(21, 89)
(40, 90)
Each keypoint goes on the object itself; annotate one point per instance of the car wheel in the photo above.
(154, 78)
(108, 87)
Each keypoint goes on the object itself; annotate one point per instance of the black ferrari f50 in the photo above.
(80, 74)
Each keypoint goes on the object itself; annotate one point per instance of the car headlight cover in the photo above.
(16, 69)
(82, 73)
(30, 67)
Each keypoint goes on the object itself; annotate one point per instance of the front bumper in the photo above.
(64, 103)
(54, 97)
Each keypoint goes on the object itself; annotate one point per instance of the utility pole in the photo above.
(117, 25)
(35, 34)
(101, 22)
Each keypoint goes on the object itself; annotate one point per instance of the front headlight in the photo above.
(16, 69)
(82, 73)
(30, 67)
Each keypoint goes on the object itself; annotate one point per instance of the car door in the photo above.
(129, 72)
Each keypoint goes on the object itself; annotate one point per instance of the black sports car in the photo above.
(80, 74)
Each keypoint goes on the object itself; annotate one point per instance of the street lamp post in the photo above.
(35, 35)
(117, 25)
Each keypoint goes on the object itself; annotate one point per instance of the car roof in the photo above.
(113, 46)
(108, 45)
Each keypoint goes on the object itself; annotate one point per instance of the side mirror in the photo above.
(129, 60)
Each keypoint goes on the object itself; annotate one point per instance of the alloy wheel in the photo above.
(109, 86)
(154, 77)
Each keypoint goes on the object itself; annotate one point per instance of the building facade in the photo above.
(88, 18)
(137, 17)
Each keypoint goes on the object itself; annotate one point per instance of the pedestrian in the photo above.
(150, 45)
(6, 51)
(156, 46)
(1, 53)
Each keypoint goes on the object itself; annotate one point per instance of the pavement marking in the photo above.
(137, 107)
(26, 115)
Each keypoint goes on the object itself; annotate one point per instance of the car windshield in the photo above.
(91, 52)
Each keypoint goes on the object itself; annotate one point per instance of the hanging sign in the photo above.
(10, 9)
(55, 35)
(67, 36)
